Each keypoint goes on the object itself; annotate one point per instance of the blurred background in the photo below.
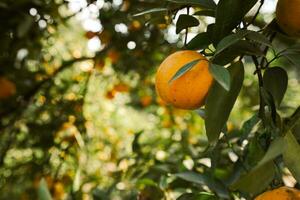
(78, 107)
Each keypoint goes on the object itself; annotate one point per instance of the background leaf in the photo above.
(200, 41)
(275, 81)
(43, 191)
(291, 155)
(204, 3)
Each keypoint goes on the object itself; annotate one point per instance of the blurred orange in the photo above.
(135, 26)
(7, 88)
(110, 94)
(58, 191)
(90, 34)
(121, 87)
(105, 37)
(113, 55)
(146, 100)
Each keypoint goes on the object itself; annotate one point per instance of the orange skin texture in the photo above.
(282, 193)
(188, 91)
(7, 88)
(288, 16)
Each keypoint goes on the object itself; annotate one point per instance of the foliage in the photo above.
(87, 124)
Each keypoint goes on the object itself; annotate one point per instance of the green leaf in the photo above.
(135, 144)
(185, 21)
(229, 14)
(43, 191)
(153, 10)
(200, 41)
(209, 13)
(291, 156)
(248, 126)
(258, 37)
(276, 81)
(230, 40)
(200, 196)
(256, 180)
(275, 149)
(203, 179)
(203, 3)
(184, 69)
(219, 102)
(221, 75)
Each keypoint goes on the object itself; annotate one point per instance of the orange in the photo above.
(113, 55)
(288, 16)
(282, 193)
(189, 90)
(121, 87)
(7, 88)
(146, 100)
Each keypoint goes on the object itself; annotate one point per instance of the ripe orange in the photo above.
(7, 88)
(281, 193)
(288, 16)
(189, 90)
(146, 100)
(113, 55)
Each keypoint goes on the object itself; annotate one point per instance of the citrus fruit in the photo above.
(189, 90)
(288, 16)
(281, 193)
(7, 88)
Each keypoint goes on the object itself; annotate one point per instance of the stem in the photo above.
(187, 29)
(257, 12)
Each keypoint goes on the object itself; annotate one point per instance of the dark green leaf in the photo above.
(256, 180)
(219, 102)
(185, 21)
(200, 196)
(153, 10)
(275, 149)
(291, 155)
(248, 126)
(200, 41)
(221, 75)
(275, 81)
(184, 69)
(203, 179)
(229, 14)
(203, 3)
(258, 37)
(230, 40)
(135, 144)
(43, 191)
(209, 13)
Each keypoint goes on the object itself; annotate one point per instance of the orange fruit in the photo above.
(135, 26)
(113, 55)
(282, 193)
(7, 88)
(288, 16)
(146, 100)
(121, 87)
(189, 90)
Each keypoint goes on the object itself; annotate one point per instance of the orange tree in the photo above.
(61, 122)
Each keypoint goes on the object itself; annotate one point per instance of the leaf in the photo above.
(219, 102)
(258, 37)
(43, 191)
(200, 196)
(203, 3)
(229, 14)
(185, 21)
(248, 126)
(221, 75)
(200, 41)
(24, 27)
(256, 180)
(184, 69)
(275, 81)
(291, 156)
(209, 13)
(203, 179)
(153, 10)
(135, 144)
(275, 149)
(230, 40)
